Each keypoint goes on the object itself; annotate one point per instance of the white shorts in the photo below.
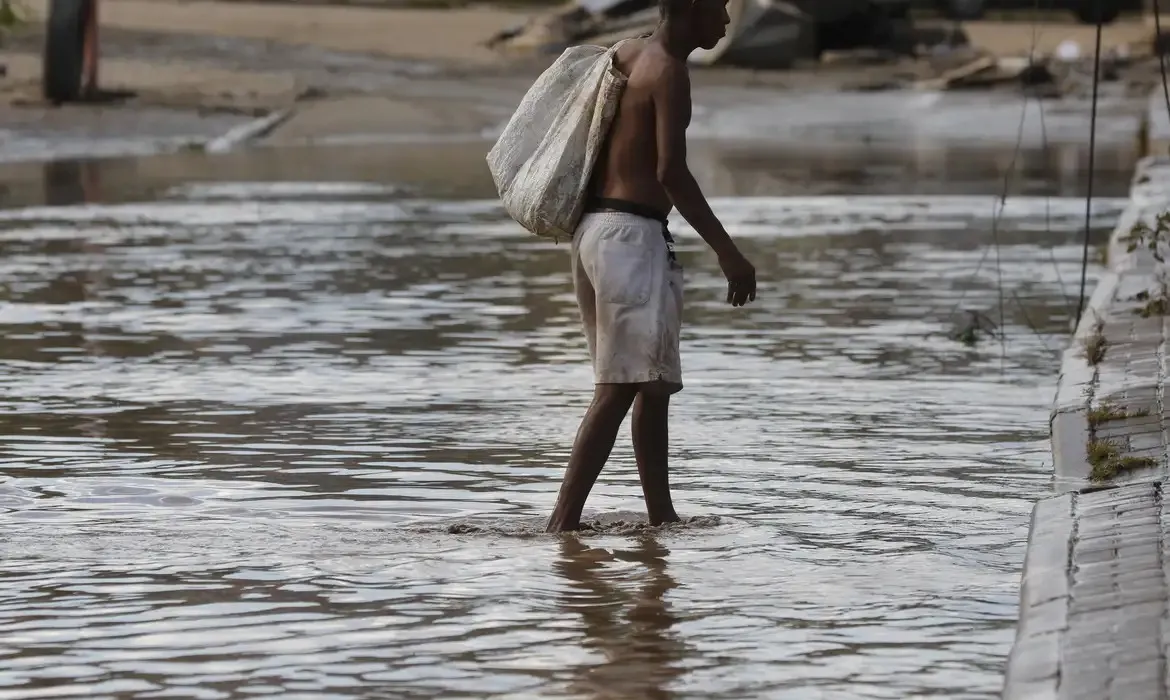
(629, 291)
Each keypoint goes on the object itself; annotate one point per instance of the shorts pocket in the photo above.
(624, 275)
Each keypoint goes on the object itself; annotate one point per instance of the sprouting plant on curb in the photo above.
(1153, 304)
(1095, 344)
(1102, 255)
(1155, 239)
(1106, 461)
(1108, 411)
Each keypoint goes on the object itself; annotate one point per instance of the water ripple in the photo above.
(299, 441)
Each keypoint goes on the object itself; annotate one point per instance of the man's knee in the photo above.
(655, 395)
(614, 397)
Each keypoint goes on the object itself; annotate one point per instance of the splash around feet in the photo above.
(616, 523)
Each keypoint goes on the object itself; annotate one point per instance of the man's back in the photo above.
(627, 168)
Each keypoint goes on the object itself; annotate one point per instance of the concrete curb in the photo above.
(1069, 422)
(1082, 386)
(1094, 586)
(1033, 667)
(246, 133)
(1093, 598)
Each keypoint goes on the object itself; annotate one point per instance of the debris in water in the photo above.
(463, 529)
(972, 328)
(761, 34)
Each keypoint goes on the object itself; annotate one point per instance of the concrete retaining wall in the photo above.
(1094, 590)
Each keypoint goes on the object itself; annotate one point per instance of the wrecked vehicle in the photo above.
(761, 34)
(1087, 11)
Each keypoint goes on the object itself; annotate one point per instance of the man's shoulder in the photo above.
(657, 68)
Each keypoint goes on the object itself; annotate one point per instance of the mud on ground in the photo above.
(351, 72)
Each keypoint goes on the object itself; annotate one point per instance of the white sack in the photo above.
(543, 160)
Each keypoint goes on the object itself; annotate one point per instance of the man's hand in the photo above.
(672, 109)
(741, 278)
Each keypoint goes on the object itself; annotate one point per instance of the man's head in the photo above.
(703, 21)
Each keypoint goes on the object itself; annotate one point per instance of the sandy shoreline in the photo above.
(457, 36)
(453, 36)
(359, 72)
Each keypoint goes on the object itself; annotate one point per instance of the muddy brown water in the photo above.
(297, 437)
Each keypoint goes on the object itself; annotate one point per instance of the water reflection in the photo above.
(939, 169)
(631, 630)
(72, 182)
(724, 169)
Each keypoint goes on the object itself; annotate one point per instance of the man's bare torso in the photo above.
(627, 168)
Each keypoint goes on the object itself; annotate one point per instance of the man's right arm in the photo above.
(672, 113)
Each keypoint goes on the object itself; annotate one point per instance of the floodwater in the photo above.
(298, 439)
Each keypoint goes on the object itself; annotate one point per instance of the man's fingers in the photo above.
(739, 293)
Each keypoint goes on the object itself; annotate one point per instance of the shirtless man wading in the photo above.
(628, 284)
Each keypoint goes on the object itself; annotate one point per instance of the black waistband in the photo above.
(626, 207)
(603, 204)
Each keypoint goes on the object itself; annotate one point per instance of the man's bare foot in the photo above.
(651, 441)
(595, 438)
(556, 525)
(671, 517)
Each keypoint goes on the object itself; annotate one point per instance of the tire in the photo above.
(67, 33)
(1097, 11)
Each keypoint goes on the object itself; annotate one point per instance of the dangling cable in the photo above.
(1001, 200)
(1092, 166)
(1046, 151)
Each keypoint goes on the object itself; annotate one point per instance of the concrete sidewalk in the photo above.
(1095, 594)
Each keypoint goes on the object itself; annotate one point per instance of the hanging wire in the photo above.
(1001, 205)
(1045, 152)
(1092, 161)
(1033, 326)
(1045, 145)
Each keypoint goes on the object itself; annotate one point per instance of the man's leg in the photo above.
(651, 440)
(595, 439)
